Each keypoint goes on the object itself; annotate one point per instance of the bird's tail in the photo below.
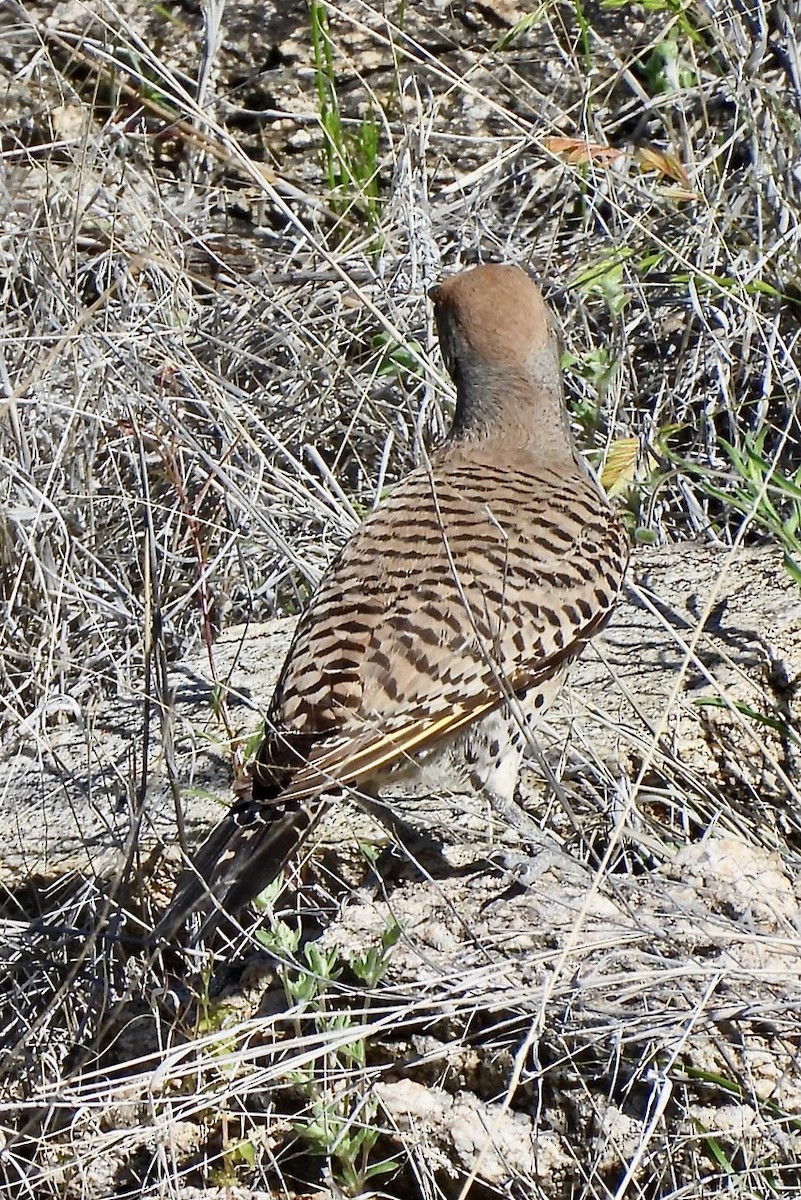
(238, 860)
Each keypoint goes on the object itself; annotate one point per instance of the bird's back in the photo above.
(480, 574)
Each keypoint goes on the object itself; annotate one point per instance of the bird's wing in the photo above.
(251, 845)
(346, 761)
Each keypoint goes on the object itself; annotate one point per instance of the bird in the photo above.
(447, 623)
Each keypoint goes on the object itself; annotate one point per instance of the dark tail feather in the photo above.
(240, 858)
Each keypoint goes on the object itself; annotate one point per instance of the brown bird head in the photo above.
(500, 346)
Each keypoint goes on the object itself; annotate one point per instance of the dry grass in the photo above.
(212, 366)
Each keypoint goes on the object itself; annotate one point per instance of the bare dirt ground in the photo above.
(216, 355)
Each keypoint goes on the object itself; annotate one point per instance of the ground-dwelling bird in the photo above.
(454, 610)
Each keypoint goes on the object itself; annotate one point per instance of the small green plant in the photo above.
(605, 279)
(597, 367)
(715, 1150)
(523, 25)
(127, 67)
(665, 70)
(238, 1157)
(346, 1138)
(350, 158)
(397, 358)
(679, 12)
(370, 965)
(531, 19)
(745, 710)
(339, 1122)
(756, 488)
(213, 1016)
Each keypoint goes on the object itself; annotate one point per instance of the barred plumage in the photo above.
(480, 578)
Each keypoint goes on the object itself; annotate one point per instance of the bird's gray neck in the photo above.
(523, 408)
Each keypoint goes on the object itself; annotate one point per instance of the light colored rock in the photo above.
(497, 1144)
(743, 880)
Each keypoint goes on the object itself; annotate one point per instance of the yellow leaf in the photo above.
(652, 159)
(621, 464)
